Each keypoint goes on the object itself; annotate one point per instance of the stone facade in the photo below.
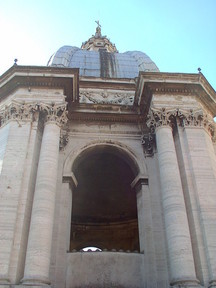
(126, 165)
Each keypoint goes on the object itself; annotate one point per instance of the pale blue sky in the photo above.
(179, 36)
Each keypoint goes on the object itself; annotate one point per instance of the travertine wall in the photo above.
(192, 207)
(175, 197)
(11, 180)
(193, 132)
(3, 143)
(110, 269)
(120, 136)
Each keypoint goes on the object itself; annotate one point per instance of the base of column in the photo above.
(4, 282)
(29, 286)
(184, 283)
(187, 285)
(212, 284)
(35, 282)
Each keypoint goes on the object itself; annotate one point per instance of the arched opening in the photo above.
(104, 209)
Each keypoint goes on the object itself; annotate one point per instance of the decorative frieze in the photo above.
(102, 96)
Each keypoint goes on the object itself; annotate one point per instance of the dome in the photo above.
(98, 57)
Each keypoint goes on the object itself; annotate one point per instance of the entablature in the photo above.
(181, 84)
(40, 77)
(104, 112)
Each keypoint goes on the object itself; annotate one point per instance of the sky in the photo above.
(178, 35)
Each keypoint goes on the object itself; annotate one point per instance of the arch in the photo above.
(122, 150)
(104, 208)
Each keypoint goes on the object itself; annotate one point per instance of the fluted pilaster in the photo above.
(16, 127)
(199, 134)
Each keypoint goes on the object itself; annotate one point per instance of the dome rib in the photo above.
(102, 63)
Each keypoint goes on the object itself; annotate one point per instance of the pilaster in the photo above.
(64, 230)
(145, 230)
(198, 131)
(16, 119)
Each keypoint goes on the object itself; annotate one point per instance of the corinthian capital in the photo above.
(160, 117)
(54, 113)
(196, 118)
(17, 111)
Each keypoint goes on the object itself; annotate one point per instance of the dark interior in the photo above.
(104, 210)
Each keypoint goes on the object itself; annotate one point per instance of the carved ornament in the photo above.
(148, 142)
(25, 112)
(64, 138)
(196, 118)
(54, 113)
(106, 97)
(18, 112)
(185, 118)
(160, 117)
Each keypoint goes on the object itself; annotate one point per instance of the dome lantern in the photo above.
(97, 42)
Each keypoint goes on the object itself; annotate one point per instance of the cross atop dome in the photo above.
(98, 30)
(98, 42)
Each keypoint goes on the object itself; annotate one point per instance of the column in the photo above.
(181, 262)
(16, 125)
(41, 228)
(198, 133)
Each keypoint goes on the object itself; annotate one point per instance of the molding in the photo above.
(138, 182)
(150, 83)
(103, 112)
(41, 76)
(71, 179)
(212, 284)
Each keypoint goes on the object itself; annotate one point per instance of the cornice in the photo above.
(107, 83)
(36, 76)
(183, 84)
(107, 80)
(105, 117)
